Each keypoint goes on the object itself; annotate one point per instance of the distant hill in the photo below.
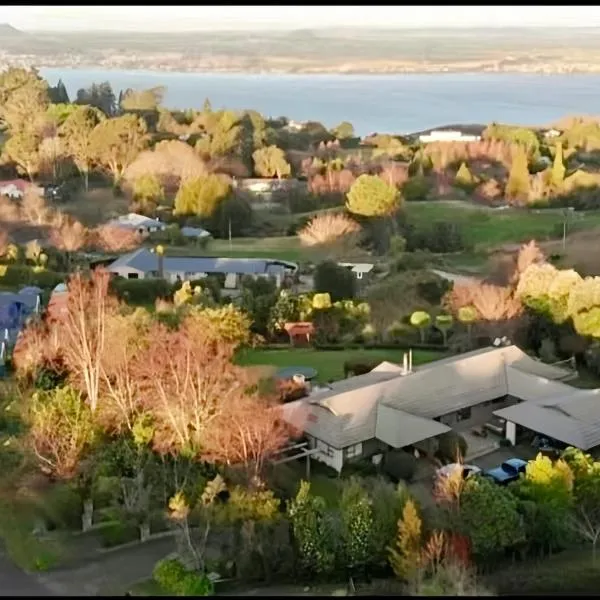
(8, 31)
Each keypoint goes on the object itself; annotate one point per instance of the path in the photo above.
(15, 582)
(110, 573)
(455, 277)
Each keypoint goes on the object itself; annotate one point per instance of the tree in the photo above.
(23, 100)
(34, 208)
(444, 324)
(558, 168)
(586, 520)
(83, 331)
(115, 143)
(112, 238)
(464, 178)
(221, 133)
(370, 196)
(58, 94)
(77, 132)
(100, 96)
(144, 100)
(337, 281)
(467, 315)
(23, 149)
(69, 236)
(405, 555)
(517, 187)
(201, 196)
(584, 308)
(420, 320)
(271, 162)
(313, 531)
(330, 229)
(61, 429)
(148, 191)
(490, 517)
(343, 131)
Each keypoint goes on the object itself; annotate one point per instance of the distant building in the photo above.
(144, 264)
(134, 222)
(448, 136)
(552, 133)
(195, 233)
(16, 188)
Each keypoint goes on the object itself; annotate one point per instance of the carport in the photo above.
(573, 420)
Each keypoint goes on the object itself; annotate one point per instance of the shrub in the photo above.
(359, 366)
(117, 534)
(174, 578)
(450, 446)
(338, 281)
(362, 468)
(399, 465)
(141, 291)
(62, 507)
(20, 275)
(327, 228)
(416, 188)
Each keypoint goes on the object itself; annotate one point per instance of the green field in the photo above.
(485, 227)
(328, 363)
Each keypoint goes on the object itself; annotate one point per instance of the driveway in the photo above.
(15, 582)
(497, 457)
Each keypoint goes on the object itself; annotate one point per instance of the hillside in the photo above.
(315, 51)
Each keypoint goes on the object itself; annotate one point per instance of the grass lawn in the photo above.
(328, 363)
(486, 227)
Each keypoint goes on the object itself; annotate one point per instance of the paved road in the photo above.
(14, 582)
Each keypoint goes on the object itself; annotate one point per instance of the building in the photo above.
(16, 188)
(552, 133)
(196, 233)
(144, 263)
(394, 407)
(134, 222)
(448, 136)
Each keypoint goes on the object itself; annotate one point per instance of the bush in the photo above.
(117, 534)
(440, 237)
(450, 446)
(338, 282)
(413, 261)
(62, 507)
(141, 291)
(416, 188)
(360, 366)
(174, 578)
(361, 468)
(21, 275)
(399, 465)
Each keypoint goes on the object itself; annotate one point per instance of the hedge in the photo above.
(141, 291)
(385, 346)
(22, 275)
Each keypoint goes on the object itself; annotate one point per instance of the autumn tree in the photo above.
(83, 330)
(343, 131)
(23, 100)
(172, 162)
(148, 191)
(143, 100)
(405, 555)
(421, 321)
(584, 307)
(517, 187)
(444, 324)
(111, 238)
(464, 178)
(68, 235)
(61, 429)
(221, 133)
(22, 148)
(117, 142)
(558, 167)
(202, 195)
(76, 131)
(370, 196)
(34, 208)
(270, 162)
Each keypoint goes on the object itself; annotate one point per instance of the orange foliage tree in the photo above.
(115, 239)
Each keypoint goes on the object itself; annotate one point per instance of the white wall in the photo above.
(335, 458)
(125, 271)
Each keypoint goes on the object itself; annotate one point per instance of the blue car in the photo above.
(508, 471)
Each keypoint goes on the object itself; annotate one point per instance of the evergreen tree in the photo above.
(517, 187)
(464, 178)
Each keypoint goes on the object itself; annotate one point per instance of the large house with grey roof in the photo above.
(392, 407)
(144, 263)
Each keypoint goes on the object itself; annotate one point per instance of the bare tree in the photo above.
(34, 209)
(68, 235)
(115, 239)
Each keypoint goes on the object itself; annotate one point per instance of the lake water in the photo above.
(372, 103)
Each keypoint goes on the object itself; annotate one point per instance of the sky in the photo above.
(194, 18)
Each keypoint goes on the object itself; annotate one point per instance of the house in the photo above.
(58, 302)
(552, 133)
(15, 309)
(448, 136)
(134, 222)
(196, 233)
(144, 263)
(396, 407)
(16, 188)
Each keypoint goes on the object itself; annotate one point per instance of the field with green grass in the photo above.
(486, 227)
(328, 363)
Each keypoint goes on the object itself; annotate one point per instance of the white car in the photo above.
(467, 470)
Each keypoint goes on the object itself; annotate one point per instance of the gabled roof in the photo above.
(146, 261)
(348, 411)
(134, 221)
(398, 428)
(194, 232)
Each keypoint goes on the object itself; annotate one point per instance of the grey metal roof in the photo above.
(194, 232)
(399, 429)
(145, 261)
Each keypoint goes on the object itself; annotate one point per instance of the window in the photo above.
(353, 451)
(464, 414)
(133, 276)
(325, 449)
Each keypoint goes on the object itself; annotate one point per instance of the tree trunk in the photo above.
(87, 517)
(144, 531)
(86, 180)
(422, 334)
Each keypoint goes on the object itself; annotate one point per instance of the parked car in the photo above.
(467, 470)
(508, 471)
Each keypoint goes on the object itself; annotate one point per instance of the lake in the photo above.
(372, 103)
